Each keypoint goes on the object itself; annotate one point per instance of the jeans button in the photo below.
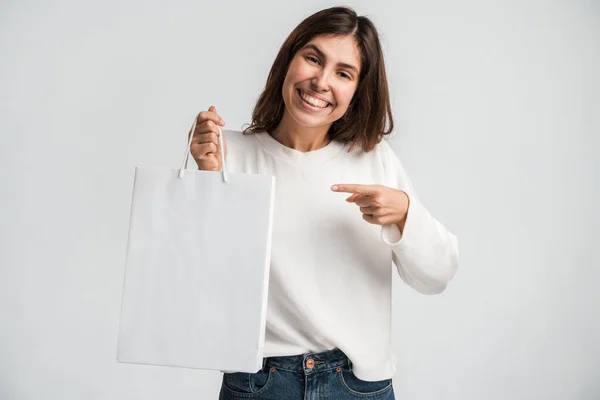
(310, 363)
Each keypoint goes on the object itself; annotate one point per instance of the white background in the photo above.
(498, 114)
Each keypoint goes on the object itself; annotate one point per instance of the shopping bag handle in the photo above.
(187, 153)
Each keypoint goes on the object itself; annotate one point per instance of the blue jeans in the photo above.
(311, 376)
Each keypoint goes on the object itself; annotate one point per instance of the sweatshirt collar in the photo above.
(325, 153)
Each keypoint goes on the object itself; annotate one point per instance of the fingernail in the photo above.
(334, 187)
(222, 122)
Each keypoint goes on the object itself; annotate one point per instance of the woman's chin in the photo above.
(311, 122)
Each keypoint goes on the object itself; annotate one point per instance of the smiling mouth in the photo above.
(311, 101)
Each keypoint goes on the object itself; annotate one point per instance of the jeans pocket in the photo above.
(362, 388)
(247, 384)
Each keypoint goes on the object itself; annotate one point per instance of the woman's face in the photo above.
(321, 80)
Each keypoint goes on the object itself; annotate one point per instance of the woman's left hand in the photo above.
(380, 205)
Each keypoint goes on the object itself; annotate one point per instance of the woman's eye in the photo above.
(312, 59)
(344, 75)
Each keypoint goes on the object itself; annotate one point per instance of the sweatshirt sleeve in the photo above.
(425, 253)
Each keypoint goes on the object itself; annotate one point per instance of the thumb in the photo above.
(353, 198)
(212, 109)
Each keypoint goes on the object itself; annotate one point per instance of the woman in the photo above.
(318, 127)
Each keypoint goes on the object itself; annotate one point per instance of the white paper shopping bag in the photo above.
(197, 269)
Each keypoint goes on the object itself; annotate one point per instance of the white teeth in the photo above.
(313, 101)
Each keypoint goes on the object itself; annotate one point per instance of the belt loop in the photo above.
(349, 363)
(264, 362)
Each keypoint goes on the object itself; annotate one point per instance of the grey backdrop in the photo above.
(497, 110)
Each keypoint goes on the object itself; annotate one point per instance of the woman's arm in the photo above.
(425, 253)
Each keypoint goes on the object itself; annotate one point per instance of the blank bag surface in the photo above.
(197, 270)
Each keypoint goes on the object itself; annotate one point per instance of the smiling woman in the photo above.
(318, 126)
(333, 56)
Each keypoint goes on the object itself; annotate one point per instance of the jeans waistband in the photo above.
(309, 362)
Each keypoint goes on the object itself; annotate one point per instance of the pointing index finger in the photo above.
(354, 188)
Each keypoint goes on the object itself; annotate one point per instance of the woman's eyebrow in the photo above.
(322, 55)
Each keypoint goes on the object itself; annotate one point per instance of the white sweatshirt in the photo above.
(330, 276)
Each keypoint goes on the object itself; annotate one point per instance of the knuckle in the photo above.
(202, 151)
(206, 148)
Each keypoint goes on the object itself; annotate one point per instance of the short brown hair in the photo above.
(369, 115)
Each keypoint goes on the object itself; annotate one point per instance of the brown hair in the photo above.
(369, 115)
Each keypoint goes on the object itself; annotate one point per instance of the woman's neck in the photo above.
(300, 138)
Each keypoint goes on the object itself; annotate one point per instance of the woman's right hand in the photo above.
(205, 144)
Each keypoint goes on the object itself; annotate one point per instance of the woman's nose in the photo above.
(320, 82)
